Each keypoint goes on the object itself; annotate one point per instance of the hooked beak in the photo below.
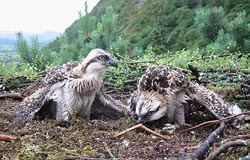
(142, 119)
(112, 63)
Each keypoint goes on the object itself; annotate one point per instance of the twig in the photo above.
(214, 121)
(17, 96)
(129, 129)
(7, 138)
(195, 72)
(245, 85)
(144, 128)
(228, 70)
(204, 147)
(224, 147)
(246, 136)
(139, 62)
(130, 81)
(109, 151)
(239, 97)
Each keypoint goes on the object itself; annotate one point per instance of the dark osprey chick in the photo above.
(162, 92)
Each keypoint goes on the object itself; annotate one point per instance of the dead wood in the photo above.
(144, 128)
(239, 97)
(130, 81)
(224, 147)
(209, 141)
(241, 137)
(194, 72)
(228, 70)
(185, 155)
(17, 96)
(109, 150)
(215, 121)
(8, 138)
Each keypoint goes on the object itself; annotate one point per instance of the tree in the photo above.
(22, 48)
(209, 22)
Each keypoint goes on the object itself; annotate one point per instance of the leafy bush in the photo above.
(8, 71)
(210, 21)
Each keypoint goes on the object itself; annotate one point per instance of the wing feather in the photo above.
(26, 110)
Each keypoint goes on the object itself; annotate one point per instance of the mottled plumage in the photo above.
(162, 92)
(68, 89)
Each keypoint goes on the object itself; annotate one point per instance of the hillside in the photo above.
(133, 26)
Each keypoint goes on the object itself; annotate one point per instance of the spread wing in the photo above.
(58, 73)
(212, 101)
(26, 110)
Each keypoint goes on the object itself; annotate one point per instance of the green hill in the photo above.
(133, 26)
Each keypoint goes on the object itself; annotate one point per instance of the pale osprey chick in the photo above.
(68, 89)
(162, 92)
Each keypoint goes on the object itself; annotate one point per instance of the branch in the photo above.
(8, 138)
(109, 151)
(195, 72)
(245, 85)
(239, 97)
(144, 128)
(17, 96)
(245, 71)
(224, 147)
(246, 136)
(215, 121)
(130, 81)
(204, 147)
(184, 154)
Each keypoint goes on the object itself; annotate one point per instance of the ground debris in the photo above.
(96, 139)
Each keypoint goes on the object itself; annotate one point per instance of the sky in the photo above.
(37, 16)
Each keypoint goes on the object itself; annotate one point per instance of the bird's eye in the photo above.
(150, 113)
(102, 57)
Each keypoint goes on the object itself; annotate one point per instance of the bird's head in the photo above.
(150, 107)
(98, 61)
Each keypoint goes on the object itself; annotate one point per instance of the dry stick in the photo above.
(209, 141)
(222, 148)
(144, 128)
(245, 85)
(130, 81)
(109, 151)
(7, 138)
(246, 136)
(214, 121)
(17, 96)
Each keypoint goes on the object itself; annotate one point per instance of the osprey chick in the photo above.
(162, 92)
(67, 89)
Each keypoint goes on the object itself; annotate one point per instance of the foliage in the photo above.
(30, 54)
(8, 71)
(131, 68)
(210, 21)
(22, 48)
